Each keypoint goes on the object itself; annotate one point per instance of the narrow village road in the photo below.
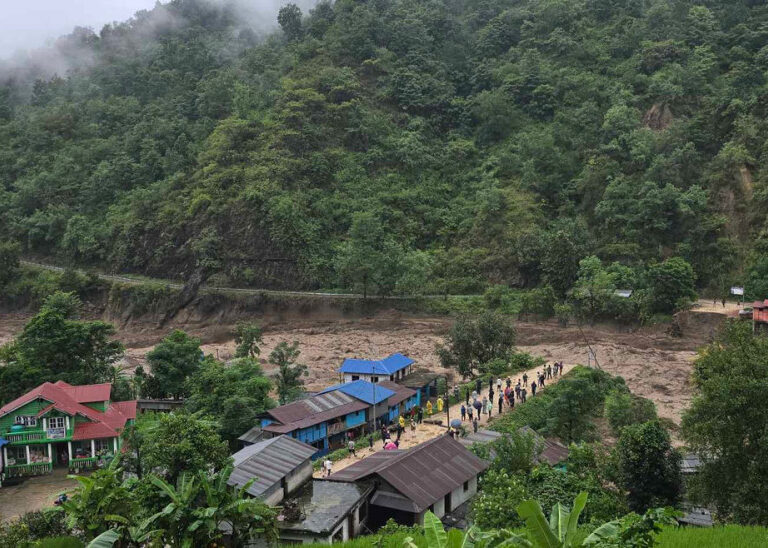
(425, 432)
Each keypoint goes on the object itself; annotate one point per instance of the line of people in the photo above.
(507, 396)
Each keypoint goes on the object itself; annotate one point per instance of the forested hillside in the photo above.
(408, 146)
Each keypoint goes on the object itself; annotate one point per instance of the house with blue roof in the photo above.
(329, 418)
(392, 368)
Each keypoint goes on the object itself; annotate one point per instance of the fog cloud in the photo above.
(30, 24)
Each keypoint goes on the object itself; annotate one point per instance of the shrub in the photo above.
(623, 408)
(540, 302)
(500, 493)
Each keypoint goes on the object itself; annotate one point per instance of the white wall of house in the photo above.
(459, 496)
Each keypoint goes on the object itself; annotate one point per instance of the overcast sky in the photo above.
(28, 24)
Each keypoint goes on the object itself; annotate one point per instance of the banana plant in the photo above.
(560, 531)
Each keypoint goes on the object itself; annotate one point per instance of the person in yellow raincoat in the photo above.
(402, 422)
(429, 408)
(439, 405)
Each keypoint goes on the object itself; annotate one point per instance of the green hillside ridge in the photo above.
(400, 147)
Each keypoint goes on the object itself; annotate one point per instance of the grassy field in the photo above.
(728, 536)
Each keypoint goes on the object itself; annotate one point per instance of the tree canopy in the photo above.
(397, 147)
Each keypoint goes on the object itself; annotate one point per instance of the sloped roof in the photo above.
(87, 393)
(362, 390)
(401, 393)
(311, 411)
(387, 366)
(267, 462)
(64, 397)
(423, 474)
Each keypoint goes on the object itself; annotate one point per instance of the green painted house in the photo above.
(60, 425)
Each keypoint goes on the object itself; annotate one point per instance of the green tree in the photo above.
(288, 377)
(233, 395)
(648, 466)
(725, 425)
(573, 408)
(176, 358)
(473, 341)
(671, 285)
(247, 338)
(369, 255)
(176, 443)
(500, 493)
(54, 347)
(622, 408)
(593, 289)
(10, 253)
(289, 19)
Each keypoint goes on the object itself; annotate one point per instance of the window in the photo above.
(374, 379)
(391, 377)
(363, 513)
(25, 420)
(17, 455)
(57, 422)
(103, 445)
(355, 377)
(466, 486)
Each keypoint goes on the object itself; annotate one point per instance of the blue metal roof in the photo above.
(387, 366)
(362, 390)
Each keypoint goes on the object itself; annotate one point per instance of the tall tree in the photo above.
(247, 339)
(473, 341)
(726, 425)
(233, 395)
(52, 347)
(176, 358)
(648, 466)
(289, 373)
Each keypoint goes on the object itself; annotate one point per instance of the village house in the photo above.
(312, 510)
(548, 450)
(58, 424)
(439, 475)
(394, 368)
(329, 418)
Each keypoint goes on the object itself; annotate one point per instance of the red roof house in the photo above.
(60, 424)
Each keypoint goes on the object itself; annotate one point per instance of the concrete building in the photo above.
(327, 512)
(392, 368)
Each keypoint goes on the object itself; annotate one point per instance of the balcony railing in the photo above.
(31, 436)
(335, 428)
(34, 469)
(89, 463)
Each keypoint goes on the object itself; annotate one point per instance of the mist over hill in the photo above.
(430, 146)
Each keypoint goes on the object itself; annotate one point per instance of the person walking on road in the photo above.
(489, 407)
(525, 379)
(485, 404)
(420, 414)
(474, 426)
(469, 413)
(522, 395)
(351, 447)
(463, 413)
(501, 404)
(533, 388)
(328, 465)
(478, 385)
(549, 371)
(466, 395)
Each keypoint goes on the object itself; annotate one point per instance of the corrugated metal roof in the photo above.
(268, 462)
(316, 418)
(424, 474)
(302, 409)
(387, 366)
(401, 393)
(690, 463)
(362, 390)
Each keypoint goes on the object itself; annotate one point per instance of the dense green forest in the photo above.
(404, 146)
